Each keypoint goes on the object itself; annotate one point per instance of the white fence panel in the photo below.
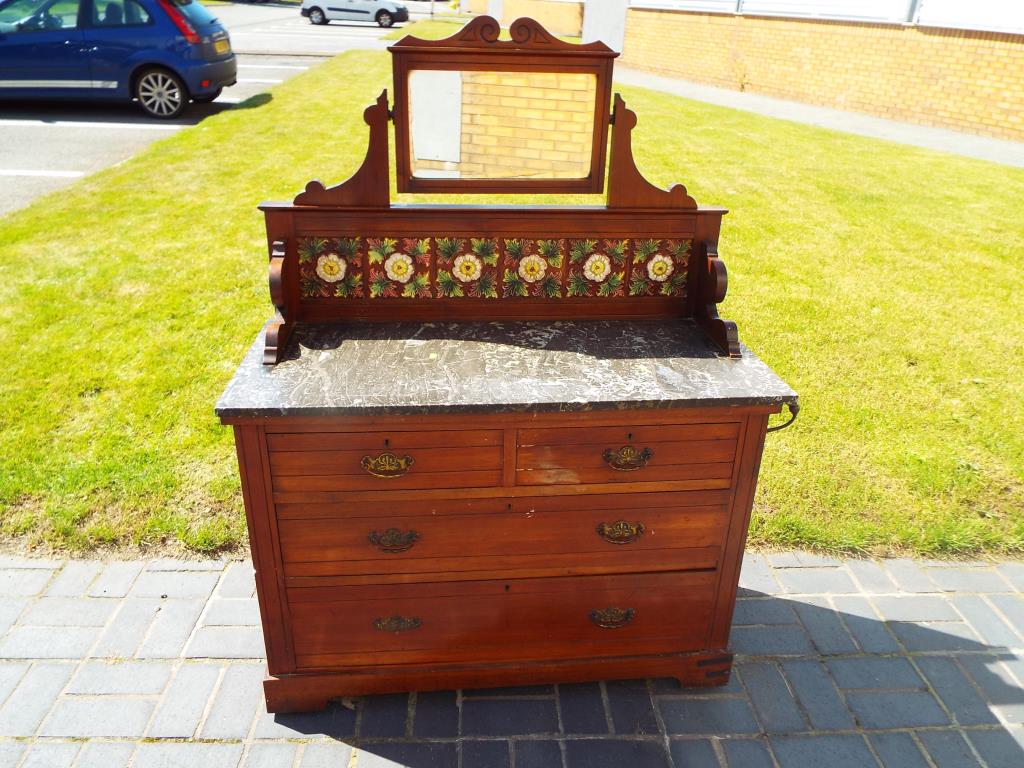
(995, 15)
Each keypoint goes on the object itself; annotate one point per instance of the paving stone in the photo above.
(817, 694)
(770, 641)
(423, 754)
(997, 748)
(869, 672)
(605, 753)
(233, 710)
(508, 717)
(239, 580)
(180, 585)
(170, 564)
(271, 756)
(10, 609)
(23, 583)
(834, 751)
(986, 622)
(797, 559)
(909, 577)
(226, 643)
(939, 636)
(756, 577)
(540, 753)
(868, 631)
(126, 631)
(111, 716)
(895, 709)
(763, 611)
(116, 579)
(1012, 607)
(582, 708)
(1013, 573)
(232, 612)
(955, 689)
(505, 692)
(824, 627)
(997, 685)
(968, 580)
(105, 754)
(51, 754)
(816, 581)
(916, 608)
(183, 705)
(436, 715)
(10, 676)
(183, 753)
(28, 704)
(47, 643)
(74, 578)
(334, 721)
(69, 612)
(170, 629)
(384, 715)
(97, 677)
(897, 750)
(871, 576)
(485, 754)
(710, 716)
(774, 706)
(948, 749)
(630, 707)
(10, 753)
(744, 753)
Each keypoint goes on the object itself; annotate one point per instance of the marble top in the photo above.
(410, 368)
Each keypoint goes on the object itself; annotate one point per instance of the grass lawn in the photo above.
(883, 282)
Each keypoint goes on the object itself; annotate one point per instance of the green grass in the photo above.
(883, 282)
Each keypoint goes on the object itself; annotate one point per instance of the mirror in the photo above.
(468, 124)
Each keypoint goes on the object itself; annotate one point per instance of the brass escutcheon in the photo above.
(397, 623)
(628, 458)
(620, 532)
(611, 617)
(393, 540)
(387, 465)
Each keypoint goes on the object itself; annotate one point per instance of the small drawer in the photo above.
(494, 620)
(351, 461)
(641, 453)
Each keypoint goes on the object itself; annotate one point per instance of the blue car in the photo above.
(160, 53)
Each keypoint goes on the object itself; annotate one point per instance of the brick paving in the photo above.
(157, 664)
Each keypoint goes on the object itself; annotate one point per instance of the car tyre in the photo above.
(161, 93)
(206, 98)
(317, 16)
(385, 19)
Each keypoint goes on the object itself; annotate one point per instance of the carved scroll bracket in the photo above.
(367, 187)
(713, 285)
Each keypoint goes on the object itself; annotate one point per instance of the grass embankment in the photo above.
(883, 282)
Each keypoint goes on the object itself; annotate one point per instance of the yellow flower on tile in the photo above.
(597, 268)
(399, 267)
(467, 268)
(660, 267)
(330, 268)
(532, 268)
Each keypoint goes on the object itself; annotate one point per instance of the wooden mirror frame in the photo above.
(476, 47)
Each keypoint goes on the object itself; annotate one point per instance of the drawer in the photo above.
(640, 453)
(397, 460)
(502, 620)
(614, 531)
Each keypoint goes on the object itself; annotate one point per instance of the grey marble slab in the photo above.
(410, 368)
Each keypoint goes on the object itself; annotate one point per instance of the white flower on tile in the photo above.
(532, 268)
(467, 268)
(399, 267)
(597, 268)
(660, 268)
(331, 268)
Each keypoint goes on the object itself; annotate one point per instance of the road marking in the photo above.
(87, 124)
(270, 66)
(44, 174)
(258, 80)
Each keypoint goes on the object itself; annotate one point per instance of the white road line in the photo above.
(258, 80)
(44, 174)
(88, 124)
(271, 66)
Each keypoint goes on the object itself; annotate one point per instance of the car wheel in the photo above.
(317, 16)
(161, 93)
(206, 98)
(385, 19)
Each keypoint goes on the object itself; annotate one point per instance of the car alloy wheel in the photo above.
(161, 93)
(316, 16)
(384, 19)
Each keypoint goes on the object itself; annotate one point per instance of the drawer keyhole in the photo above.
(387, 443)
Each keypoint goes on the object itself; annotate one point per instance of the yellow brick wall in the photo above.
(478, 7)
(957, 79)
(558, 17)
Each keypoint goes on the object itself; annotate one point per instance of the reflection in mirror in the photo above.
(501, 125)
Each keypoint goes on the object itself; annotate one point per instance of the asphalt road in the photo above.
(46, 146)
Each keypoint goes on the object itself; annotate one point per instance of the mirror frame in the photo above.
(476, 47)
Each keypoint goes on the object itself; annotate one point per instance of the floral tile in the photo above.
(330, 267)
(597, 268)
(467, 268)
(399, 267)
(659, 268)
(532, 268)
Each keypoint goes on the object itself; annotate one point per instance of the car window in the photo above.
(194, 11)
(119, 13)
(38, 15)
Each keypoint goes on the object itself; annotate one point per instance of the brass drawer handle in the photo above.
(387, 464)
(397, 623)
(393, 540)
(628, 458)
(620, 532)
(612, 618)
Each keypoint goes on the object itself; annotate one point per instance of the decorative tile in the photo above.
(659, 268)
(597, 268)
(330, 267)
(467, 268)
(398, 268)
(532, 268)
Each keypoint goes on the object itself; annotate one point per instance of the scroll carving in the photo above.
(483, 32)
(713, 284)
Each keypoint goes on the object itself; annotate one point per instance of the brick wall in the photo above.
(557, 16)
(478, 7)
(958, 79)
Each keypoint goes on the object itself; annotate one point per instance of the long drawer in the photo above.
(501, 620)
(609, 532)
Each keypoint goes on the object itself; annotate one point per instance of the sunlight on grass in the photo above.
(883, 282)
